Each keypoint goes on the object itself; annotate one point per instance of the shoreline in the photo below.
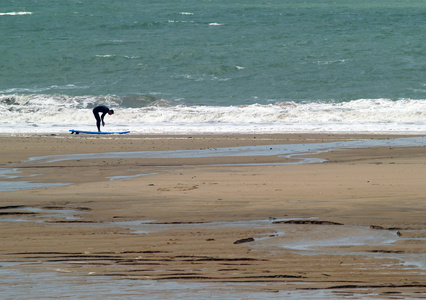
(372, 190)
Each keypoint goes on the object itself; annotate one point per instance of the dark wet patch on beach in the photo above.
(16, 213)
(245, 240)
(176, 223)
(27, 279)
(307, 222)
(378, 227)
(171, 264)
(387, 251)
(11, 206)
(48, 214)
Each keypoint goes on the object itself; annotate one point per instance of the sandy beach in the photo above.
(352, 225)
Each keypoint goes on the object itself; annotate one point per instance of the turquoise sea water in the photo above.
(58, 55)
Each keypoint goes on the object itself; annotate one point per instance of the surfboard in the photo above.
(96, 132)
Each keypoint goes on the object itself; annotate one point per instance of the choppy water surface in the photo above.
(213, 66)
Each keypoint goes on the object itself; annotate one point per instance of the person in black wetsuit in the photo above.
(104, 110)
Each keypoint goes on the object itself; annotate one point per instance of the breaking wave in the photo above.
(148, 114)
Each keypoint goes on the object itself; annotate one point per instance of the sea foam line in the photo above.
(19, 13)
(48, 113)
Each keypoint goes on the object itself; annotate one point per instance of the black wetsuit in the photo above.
(100, 109)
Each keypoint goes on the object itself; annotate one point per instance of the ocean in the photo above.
(214, 66)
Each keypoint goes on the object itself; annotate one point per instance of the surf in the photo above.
(147, 114)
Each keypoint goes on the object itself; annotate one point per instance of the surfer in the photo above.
(104, 110)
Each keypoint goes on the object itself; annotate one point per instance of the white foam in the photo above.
(18, 13)
(58, 113)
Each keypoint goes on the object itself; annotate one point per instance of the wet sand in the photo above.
(353, 225)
